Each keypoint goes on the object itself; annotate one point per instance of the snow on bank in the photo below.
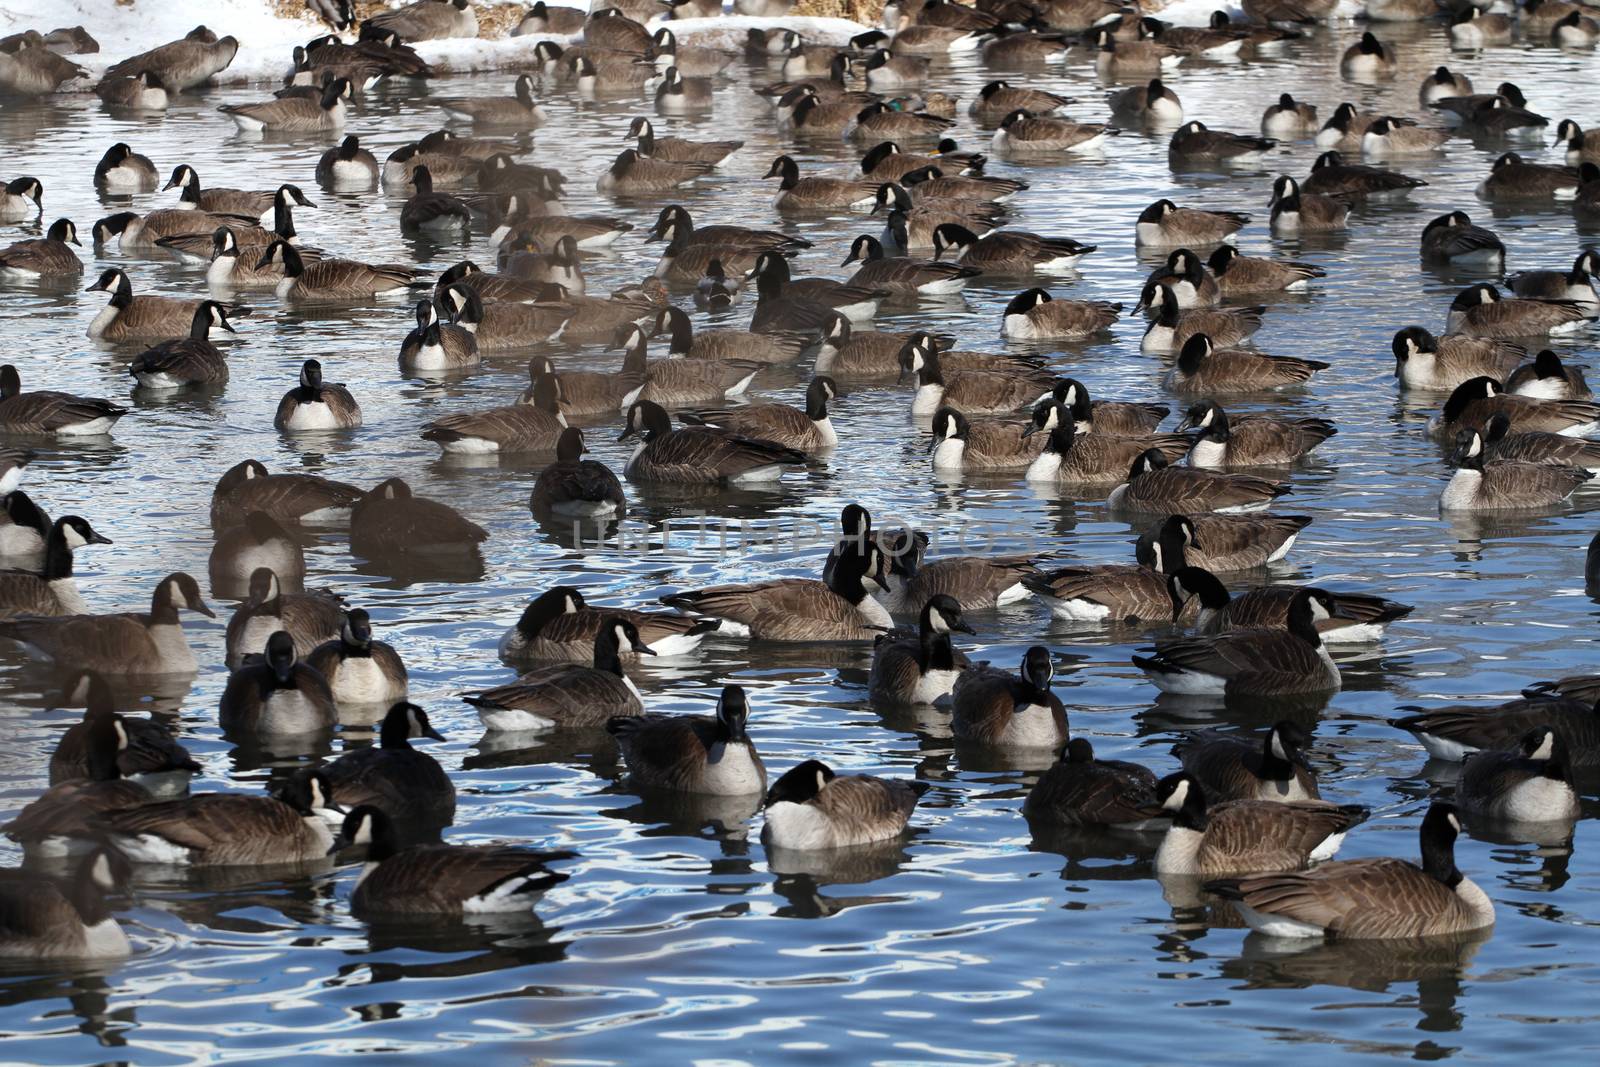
(1198, 12)
(267, 40)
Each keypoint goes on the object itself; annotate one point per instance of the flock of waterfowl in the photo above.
(1246, 816)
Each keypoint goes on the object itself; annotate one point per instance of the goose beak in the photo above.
(432, 734)
(1030, 431)
(340, 843)
(100, 539)
(264, 261)
(644, 650)
(963, 628)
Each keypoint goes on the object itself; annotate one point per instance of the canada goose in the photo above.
(1035, 315)
(43, 257)
(1575, 285)
(1241, 275)
(910, 225)
(1195, 142)
(1203, 368)
(960, 444)
(1582, 146)
(1512, 179)
(135, 318)
(569, 694)
(1530, 782)
(1453, 238)
(494, 287)
(437, 879)
(972, 392)
(1245, 836)
(678, 95)
(383, 49)
(63, 918)
(347, 165)
(1443, 84)
(186, 361)
(995, 707)
(430, 210)
(133, 643)
(228, 829)
(437, 346)
(675, 222)
(1495, 115)
(391, 519)
(1252, 441)
(405, 784)
(902, 276)
(809, 306)
(1294, 211)
(703, 754)
(1332, 176)
(517, 111)
(1480, 311)
(135, 233)
(258, 542)
(1368, 898)
(1081, 790)
(182, 64)
(358, 669)
(1221, 543)
(24, 528)
(677, 382)
(1131, 59)
(1008, 252)
(1503, 484)
(1423, 361)
(598, 72)
(920, 668)
(931, 183)
(1474, 29)
(122, 170)
(335, 280)
(46, 412)
(1118, 417)
(502, 324)
(1545, 377)
(1455, 731)
(925, 39)
(817, 194)
(277, 694)
(1207, 41)
(245, 203)
(59, 822)
(1368, 59)
(1401, 10)
(427, 20)
(1022, 132)
(315, 405)
(885, 70)
(1356, 616)
(1389, 138)
(633, 174)
(683, 261)
(807, 113)
(34, 70)
(809, 430)
(1164, 224)
(1024, 49)
(977, 582)
(1500, 442)
(997, 99)
(1153, 104)
(1090, 459)
(21, 198)
(535, 426)
(294, 114)
(445, 168)
(1289, 119)
(558, 625)
(290, 498)
(692, 61)
(1154, 486)
(152, 758)
(310, 619)
(590, 232)
(238, 262)
(1255, 662)
(1171, 328)
(575, 487)
(1240, 768)
(52, 591)
(1475, 400)
(841, 608)
(1186, 275)
(810, 807)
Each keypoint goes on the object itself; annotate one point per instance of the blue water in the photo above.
(968, 942)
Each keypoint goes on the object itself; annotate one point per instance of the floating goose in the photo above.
(134, 643)
(920, 668)
(811, 807)
(407, 785)
(1081, 790)
(702, 754)
(52, 591)
(1455, 731)
(152, 758)
(277, 695)
(574, 487)
(1285, 662)
(801, 609)
(559, 625)
(1252, 440)
(358, 669)
(58, 823)
(994, 707)
(1529, 783)
(1154, 485)
(63, 919)
(569, 695)
(1240, 768)
(1245, 836)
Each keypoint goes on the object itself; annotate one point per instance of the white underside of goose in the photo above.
(288, 711)
(314, 415)
(950, 453)
(584, 509)
(360, 680)
(513, 720)
(1276, 925)
(1077, 610)
(1032, 727)
(730, 771)
(1535, 800)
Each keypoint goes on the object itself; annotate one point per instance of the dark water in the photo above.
(676, 938)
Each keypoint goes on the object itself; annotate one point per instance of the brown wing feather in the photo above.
(1100, 793)
(790, 609)
(1360, 898)
(569, 694)
(435, 879)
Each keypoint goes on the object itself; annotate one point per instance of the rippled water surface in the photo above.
(677, 937)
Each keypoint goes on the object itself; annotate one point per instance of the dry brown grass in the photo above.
(498, 20)
(865, 12)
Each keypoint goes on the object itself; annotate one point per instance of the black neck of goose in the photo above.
(122, 295)
(1217, 429)
(816, 404)
(190, 193)
(770, 282)
(1168, 315)
(1276, 768)
(607, 652)
(647, 141)
(633, 356)
(680, 330)
(1063, 436)
(283, 219)
(846, 577)
(200, 325)
(395, 732)
(931, 371)
(1302, 625)
(789, 175)
(1193, 814)
(57, 555)
(86, 896)
(1191, 357)
(1439, 853)
(936, 653)
(163, 611)
(384, 841)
